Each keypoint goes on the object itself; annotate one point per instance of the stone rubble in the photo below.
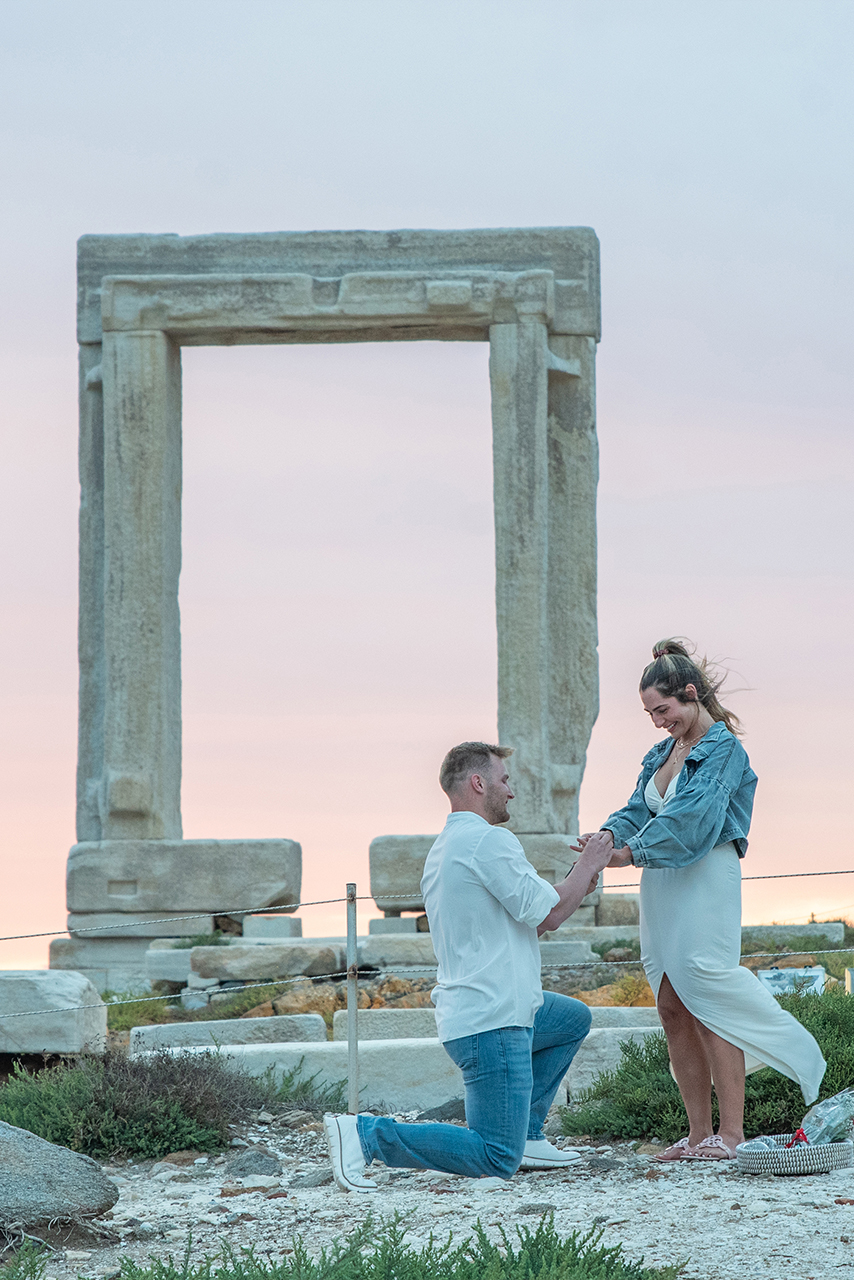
(724, 1225)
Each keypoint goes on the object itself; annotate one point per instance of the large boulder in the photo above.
(269, 960)
(59, 1012)
(40, 1182)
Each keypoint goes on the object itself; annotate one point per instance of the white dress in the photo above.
(690, 929)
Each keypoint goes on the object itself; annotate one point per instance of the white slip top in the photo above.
(655, 801)
(484, 901)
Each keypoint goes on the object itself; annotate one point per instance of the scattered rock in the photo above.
(181, 1157)
(264, 1117)
(317, 1179)
(294, 1119)
(537, 1207)
(264, 1010)
(649, 1148)
(146, 1231)
(254, 1161)
(617, 954)
(603, 1164)
(40, 1182)
(453, 1110)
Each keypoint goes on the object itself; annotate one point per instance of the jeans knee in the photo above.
(504, 1163)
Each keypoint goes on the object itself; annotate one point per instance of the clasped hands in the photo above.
(601, 842)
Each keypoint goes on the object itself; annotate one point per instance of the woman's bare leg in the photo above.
(689, 1058)
(727, 1066)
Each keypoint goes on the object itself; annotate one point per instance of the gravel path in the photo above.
(726, 1226)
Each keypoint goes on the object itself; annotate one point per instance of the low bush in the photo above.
(640, 1098)
(143, 1107)
(380, 1254)
(215, 939)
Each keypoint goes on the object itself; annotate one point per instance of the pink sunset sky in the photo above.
(337, 589)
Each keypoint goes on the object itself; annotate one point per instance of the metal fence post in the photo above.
(352, 1005)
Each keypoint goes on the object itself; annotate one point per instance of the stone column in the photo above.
(90, 627)
(141, 782)
(573, 697)
(518, 369)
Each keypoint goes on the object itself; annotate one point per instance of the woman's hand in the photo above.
(621, 857)
(583, 840)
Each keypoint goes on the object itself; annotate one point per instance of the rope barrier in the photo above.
(325, 902)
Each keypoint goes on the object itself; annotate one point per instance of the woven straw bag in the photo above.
(794, 1160)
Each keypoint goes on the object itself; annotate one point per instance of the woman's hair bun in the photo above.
(670, 646)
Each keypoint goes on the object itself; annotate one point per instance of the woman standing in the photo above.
(686, 824)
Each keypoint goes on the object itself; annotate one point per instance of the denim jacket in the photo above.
(712, 804)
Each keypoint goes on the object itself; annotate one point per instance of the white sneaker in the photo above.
(541, 1154)
(345, 1152)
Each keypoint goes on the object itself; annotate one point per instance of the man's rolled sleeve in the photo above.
(504, 870)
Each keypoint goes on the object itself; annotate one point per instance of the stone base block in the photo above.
(288, 1028)
(172, 965)
(393, 924)
(395, 1075)
(574, 951)
(152, 924)
(834, 931)
(387, 950)
(404, 1024)
(599, 1052)
(262, 928)
(270, 960)
(110, 964)
(66, 1028)
(388, 1024)
(616, 909)
(397, 864)
(592, 933)
(216, 876)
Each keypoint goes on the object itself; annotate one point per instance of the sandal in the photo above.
(679, 1151)
(711, 1149)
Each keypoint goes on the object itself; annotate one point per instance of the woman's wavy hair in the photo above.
(674, 666)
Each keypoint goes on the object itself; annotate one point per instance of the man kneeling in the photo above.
(513, 1042)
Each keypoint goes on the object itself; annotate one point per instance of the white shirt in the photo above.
(484, 901)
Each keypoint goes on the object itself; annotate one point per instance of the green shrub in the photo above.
(631, 944)
(215, 939)
(369, 1254)
(297, 1091)
(143, 1107)
(138, 1012)
(640, 1098)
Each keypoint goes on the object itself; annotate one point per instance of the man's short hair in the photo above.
(468, 758)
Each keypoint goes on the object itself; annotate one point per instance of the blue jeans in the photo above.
(511, 1076)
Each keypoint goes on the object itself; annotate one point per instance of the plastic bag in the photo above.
(758, 1144)
(830, 1121)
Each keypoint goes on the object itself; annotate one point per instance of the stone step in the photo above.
(402, 1024)
(280, 1029)
(411, 1074)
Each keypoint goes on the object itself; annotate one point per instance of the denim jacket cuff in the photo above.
(638, 855)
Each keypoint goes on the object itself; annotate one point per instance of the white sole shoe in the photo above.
(345, 1152)
(542, 1154)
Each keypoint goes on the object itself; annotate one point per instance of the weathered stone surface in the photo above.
(272, 928)
(616, 909)
(115, 925)
(599, 1052)
(573, 951)
(183, 875)
(403, 1075)
(40, 1182)
(833, 930)
(273, 960)
(393, 924)
(570, 932)
(283, 1029)
(254, 1162)
(386, 950)
(570, 253)
(109, 964)
(387, 1024)
(66, 1028)
(168, 966)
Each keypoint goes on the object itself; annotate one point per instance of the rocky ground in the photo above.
(723, 1225)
